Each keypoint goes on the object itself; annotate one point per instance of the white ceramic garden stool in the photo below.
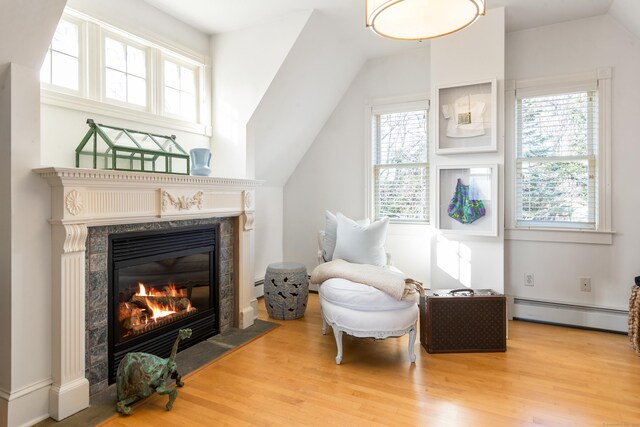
(286, 290)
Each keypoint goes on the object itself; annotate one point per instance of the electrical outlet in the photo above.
(528, 279)
(585, 284)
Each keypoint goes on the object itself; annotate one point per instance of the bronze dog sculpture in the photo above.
(140, 374)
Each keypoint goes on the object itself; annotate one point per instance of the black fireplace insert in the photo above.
(161, 281)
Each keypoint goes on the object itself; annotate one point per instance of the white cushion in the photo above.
(357, 296)
(369, 323)
(330, 234)
(361, 244)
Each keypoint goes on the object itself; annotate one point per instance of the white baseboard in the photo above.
(607, 319)
(26, 406)
(258, 289)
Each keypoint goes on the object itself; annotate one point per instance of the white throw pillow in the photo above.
(330, 234)
(361, 244)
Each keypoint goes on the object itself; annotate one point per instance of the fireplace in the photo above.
(161, 281)
(89, 205)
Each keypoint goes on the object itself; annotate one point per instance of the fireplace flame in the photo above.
(142, 292)
(160, 310)
(155, 301)
(169, 291)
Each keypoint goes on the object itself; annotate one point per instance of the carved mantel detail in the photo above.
(74, 202)
(248, 200)
(76, 236)
(181, 202)
(248, 221)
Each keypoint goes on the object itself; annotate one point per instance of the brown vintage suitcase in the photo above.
(463, 320)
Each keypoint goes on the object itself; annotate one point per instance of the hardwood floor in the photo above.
(549, 376)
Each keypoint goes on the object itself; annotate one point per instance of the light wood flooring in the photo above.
(551, 376)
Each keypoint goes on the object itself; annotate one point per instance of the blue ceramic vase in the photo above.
(200, 161)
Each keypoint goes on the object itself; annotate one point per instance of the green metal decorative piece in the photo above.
(110, 147)
(140, 374)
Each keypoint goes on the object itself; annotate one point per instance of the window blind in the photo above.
(556, 159)
(400, 168)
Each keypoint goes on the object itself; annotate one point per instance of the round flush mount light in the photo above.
(421, 19)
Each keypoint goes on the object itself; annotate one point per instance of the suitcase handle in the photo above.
(461, 290)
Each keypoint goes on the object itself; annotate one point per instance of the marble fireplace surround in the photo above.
(83, 198)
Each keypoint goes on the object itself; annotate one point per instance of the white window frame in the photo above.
(103, 71)
(82, 60)
(91, 98)
(603, 233)
(391, 105)
(197, 74)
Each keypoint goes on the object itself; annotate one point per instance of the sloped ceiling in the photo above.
(307, 87)
(310, 83)
(627, 12)
(26, 29)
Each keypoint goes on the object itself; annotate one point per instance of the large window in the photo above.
(61, 66)
(556, 167)
(561, 155)
(400, 169)
(94, 67)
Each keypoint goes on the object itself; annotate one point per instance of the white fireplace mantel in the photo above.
(82, 198)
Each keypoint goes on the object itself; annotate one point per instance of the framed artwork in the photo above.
(467, 199)
(466, 118)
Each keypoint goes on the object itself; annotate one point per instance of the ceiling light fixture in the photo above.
(421, 19)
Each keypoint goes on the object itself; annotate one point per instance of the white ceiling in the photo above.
(220, 16)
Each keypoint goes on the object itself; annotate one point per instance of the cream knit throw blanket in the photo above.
(392, 282)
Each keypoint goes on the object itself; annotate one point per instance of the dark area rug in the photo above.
(102, 405)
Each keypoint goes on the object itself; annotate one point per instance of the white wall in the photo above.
(269, 230)
(475, 53)
(331, 173)
(289, 94)
(314, 76)
(62, 129)
(577, 47)
(144, 20)
(627, 12)
(245, 63)
(25, 269)
(5, 237)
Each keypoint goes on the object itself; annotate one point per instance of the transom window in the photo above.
(179, 89)
(61, 66)
(400, 167)
(125, 72)
(556, 160)
(92, 66)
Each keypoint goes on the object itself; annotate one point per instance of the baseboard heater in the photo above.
(581, 316)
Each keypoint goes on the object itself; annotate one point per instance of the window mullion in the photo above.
(154, 81)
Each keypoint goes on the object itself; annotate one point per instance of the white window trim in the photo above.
(90, 98)
(603, 234)
(199, 84)
(82, 59)
(148, 78)
(389, 105)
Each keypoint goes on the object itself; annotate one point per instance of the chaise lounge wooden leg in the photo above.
(412, 341)
(324, 324)
(338, 335)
